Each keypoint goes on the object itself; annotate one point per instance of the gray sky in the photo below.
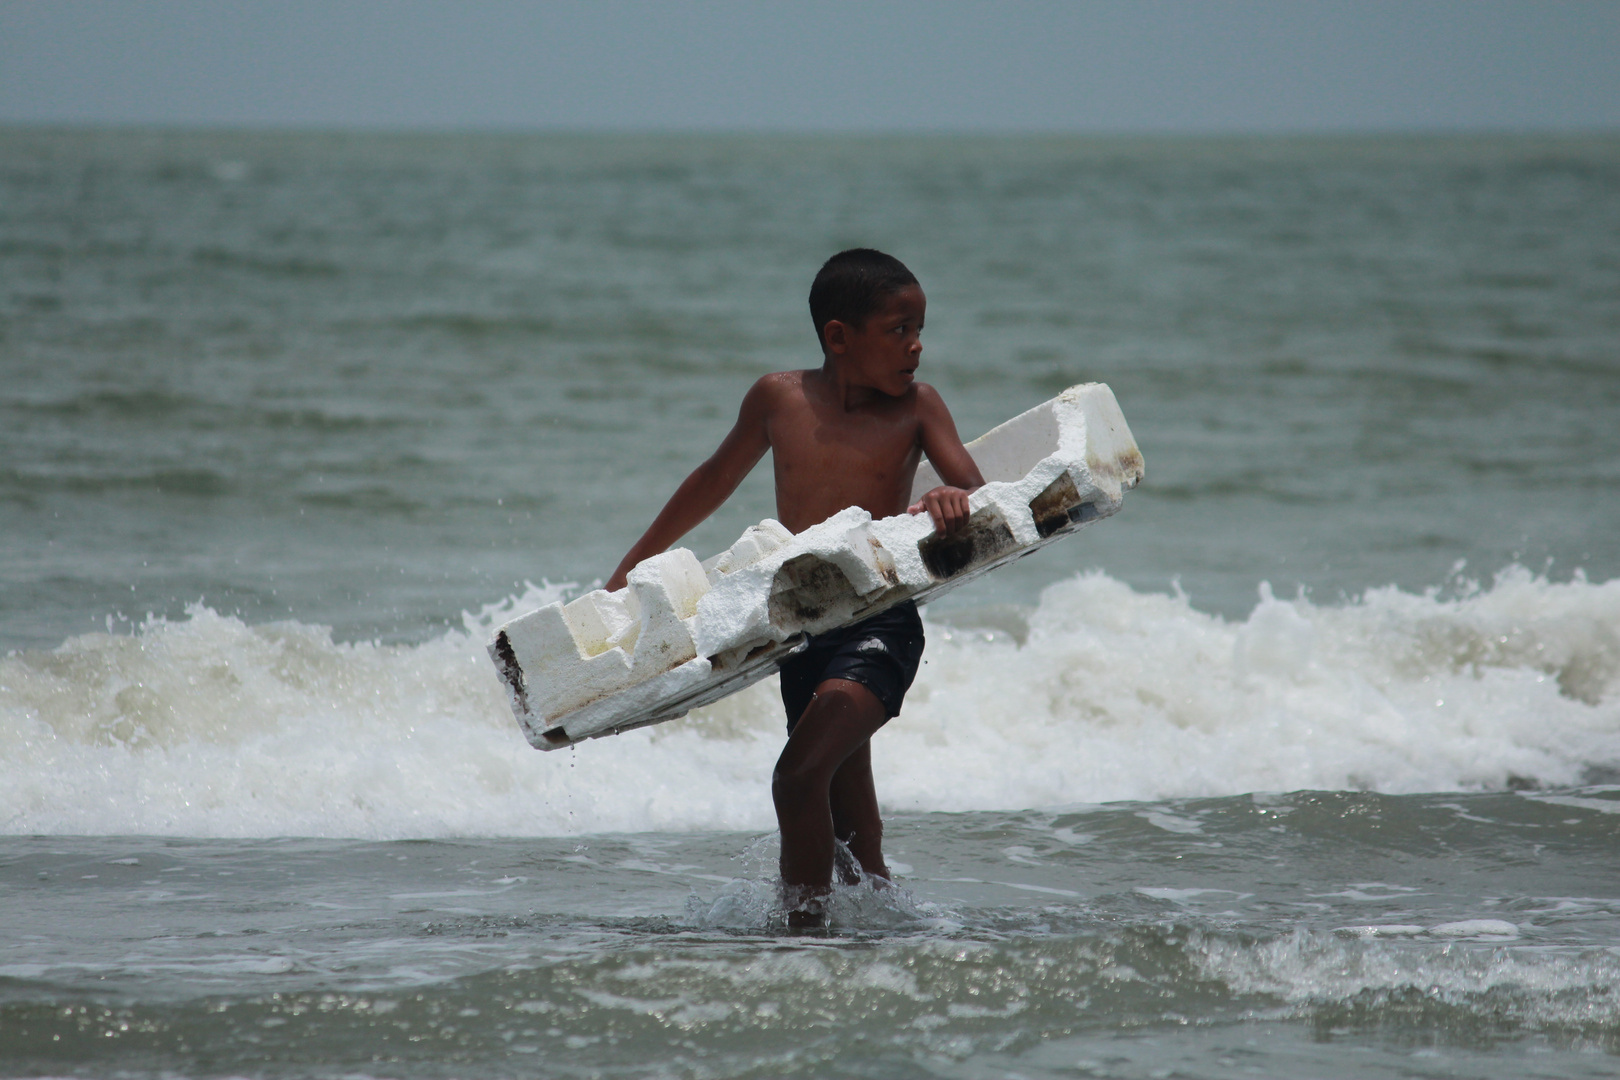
(1173, 65)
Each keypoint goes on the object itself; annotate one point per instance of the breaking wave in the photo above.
(209, 726)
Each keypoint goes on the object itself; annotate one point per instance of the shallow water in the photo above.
(1303, 765)
(1317, 933)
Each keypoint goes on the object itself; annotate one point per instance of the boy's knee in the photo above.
(792, 783)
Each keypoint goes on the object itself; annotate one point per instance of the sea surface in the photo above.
(1307, 764)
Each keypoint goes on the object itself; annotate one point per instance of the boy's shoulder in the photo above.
(782, 382)
(778, 391)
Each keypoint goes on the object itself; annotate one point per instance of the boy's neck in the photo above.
(839, 380)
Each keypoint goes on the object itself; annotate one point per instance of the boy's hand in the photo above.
(948, 506)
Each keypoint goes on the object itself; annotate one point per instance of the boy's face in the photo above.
(884, 351)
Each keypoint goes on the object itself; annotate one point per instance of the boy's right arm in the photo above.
(948, 503)
(710, 484)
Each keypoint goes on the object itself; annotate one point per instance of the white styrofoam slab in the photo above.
(682, 634)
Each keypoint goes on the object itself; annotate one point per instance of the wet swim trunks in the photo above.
(880, 653)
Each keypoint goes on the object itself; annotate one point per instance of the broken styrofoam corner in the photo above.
(756, 542)
(564, 656)
(682, 634)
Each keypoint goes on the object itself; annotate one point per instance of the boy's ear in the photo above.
(835, 336)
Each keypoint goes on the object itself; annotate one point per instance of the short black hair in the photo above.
(853, 284)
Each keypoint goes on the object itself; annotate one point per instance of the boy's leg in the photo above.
(838, 721)
(855, 811)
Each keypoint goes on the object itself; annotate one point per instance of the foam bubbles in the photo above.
(212, 727)
(1537, 987)
(1123, 695)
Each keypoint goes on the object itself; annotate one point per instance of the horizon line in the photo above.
(277, 128)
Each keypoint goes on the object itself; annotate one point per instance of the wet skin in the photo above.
(850, 433)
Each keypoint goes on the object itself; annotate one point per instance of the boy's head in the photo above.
(852, 285)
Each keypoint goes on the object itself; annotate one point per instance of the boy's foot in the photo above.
(807, 920)
(806, 908)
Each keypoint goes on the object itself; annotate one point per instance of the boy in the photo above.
(848, 434)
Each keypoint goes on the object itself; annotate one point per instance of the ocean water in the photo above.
(1306, 764)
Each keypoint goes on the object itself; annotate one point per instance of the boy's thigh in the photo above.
(850, 696)
(839, 720)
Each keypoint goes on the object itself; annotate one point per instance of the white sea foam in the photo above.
(211, 727)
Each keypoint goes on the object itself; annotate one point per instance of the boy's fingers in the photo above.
(948, 507)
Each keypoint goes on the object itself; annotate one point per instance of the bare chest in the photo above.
(826, 460)
(816, 438)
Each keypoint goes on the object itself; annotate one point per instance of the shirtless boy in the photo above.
(850, 433)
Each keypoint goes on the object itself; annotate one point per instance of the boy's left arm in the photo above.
(948, 503)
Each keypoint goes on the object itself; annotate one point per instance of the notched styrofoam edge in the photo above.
(619, 713)
(1091, 460)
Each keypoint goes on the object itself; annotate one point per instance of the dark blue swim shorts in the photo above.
(880, 653)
